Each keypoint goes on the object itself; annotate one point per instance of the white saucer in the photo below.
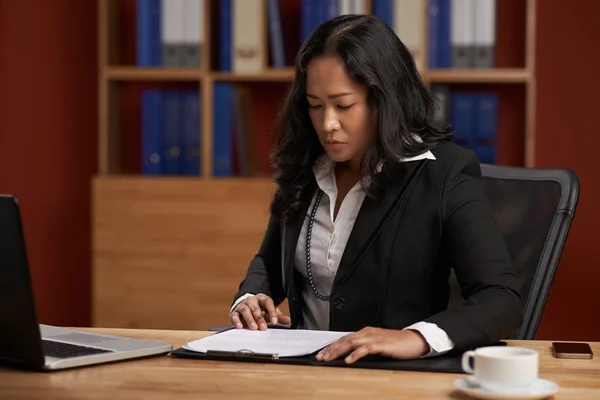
(540, 389)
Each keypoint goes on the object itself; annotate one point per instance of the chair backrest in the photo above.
(534, 209)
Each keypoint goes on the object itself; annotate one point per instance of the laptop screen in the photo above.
(20, 339)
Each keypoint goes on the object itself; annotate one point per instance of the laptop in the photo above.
(26, 343)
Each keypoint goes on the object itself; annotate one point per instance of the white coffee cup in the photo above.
(502, 369)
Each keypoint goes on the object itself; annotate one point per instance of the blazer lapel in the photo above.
(371, 217)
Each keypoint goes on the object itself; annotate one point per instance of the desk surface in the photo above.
(166, 377)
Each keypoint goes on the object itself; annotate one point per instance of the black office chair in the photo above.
(534, 209)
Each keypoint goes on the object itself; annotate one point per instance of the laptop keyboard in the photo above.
(67, 350)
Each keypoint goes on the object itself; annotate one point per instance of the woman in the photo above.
(374, 207)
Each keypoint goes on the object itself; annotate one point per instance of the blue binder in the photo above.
(152, 132)
(222, 120)
(486, 127)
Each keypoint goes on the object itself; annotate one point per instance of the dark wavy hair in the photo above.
(374, 56)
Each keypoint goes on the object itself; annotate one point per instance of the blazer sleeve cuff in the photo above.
(438, 340)
(239, 300)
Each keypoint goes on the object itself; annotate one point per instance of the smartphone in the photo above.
(572, 350)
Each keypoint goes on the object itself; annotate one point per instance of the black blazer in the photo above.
(432, 217)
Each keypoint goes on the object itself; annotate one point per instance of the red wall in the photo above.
(567, 135)
(48, 136)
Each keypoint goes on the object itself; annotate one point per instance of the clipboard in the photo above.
(444, 363)
(447, 363)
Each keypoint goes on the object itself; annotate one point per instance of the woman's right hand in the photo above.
(250, 313)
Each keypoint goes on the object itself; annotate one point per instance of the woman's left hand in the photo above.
(400, 344)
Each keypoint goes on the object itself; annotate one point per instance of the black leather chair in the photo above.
(534, 209)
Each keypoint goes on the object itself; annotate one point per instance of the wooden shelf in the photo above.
(269, 75)
(134, 179)
(499, 75)
(192, 74)
(504, 75)
(152, 74)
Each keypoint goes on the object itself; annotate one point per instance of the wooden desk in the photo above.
(166, 378)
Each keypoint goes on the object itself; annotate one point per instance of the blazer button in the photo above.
(338, 303)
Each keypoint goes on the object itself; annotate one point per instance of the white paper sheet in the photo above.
(280, 342)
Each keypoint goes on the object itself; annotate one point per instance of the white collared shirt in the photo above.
(328, 241)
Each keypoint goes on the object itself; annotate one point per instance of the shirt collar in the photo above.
(324, 172)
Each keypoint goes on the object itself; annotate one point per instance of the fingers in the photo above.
(258, 315)
(266, 302)
(250, 313)
(246, 313)
(235, 320)
(400, 344)
(262, 324)
(341, 347)
(361, 344)
(282, 318)
(359, 353)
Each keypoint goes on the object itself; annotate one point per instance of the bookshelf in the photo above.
(134, 215)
